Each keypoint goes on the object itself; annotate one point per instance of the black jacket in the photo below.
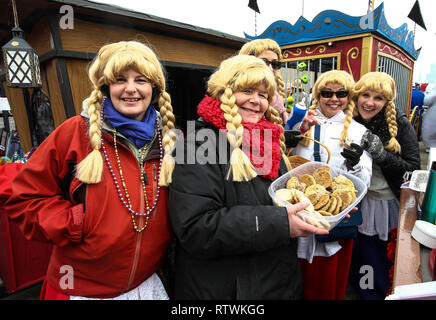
(232, 243)
(394, 166)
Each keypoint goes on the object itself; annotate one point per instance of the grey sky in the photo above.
(234, 17)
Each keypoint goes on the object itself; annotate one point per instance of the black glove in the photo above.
(372, 143)
(352, 156)
(292, 137)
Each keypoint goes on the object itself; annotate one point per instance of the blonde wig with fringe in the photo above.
(334, 77)
(236, 74)
(256, 47)
(112, 60)
(382, 83)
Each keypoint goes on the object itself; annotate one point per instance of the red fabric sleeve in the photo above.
(37, 201)
(7, 174)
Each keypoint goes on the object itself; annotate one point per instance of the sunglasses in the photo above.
(329, 93)
(276, 65)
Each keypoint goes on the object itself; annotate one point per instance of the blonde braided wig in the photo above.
(256, 48)
(384, 84)
(334, 77)
(112, 60)
(236, 74)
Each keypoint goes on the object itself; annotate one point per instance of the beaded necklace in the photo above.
(127, 203)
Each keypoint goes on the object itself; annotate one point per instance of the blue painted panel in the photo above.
(333, 24)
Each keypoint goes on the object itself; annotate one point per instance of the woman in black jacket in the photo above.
(393, 145)
(232, 242)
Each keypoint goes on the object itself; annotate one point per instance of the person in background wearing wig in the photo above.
(269, 51)
(232, 242)
(325, 265)
(393, 145)
(95, 188)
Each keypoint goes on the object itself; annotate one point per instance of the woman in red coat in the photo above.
(96, 187)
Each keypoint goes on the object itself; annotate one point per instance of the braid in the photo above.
(169, 138)
(273, 116)
(347, 122)
(90, 169)
(240, 165)
(280, 85)
(306, 142)
(384, 84)
(391, 116)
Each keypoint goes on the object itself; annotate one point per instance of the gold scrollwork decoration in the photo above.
(354, 54)
(347, 24)
(288, 53)
(370, 22)
(264, 35)
(315, 27)
(287, 30)
(321, 48)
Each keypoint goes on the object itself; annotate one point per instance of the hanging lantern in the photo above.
(21, 61)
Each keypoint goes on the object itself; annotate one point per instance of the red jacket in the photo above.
(90, 228)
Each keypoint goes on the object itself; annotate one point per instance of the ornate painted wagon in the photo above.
(334, 40)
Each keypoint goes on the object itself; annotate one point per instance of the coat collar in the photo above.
(339, 117)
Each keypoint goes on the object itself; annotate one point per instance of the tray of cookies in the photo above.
(332, 192)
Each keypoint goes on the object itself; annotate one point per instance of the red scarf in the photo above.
(264, 154)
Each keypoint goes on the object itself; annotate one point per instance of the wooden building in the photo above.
(188, 53)
(334, 40)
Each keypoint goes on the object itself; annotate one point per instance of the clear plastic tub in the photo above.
(325, 222)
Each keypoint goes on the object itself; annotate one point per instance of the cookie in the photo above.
(346, 196)
(301, 197)
(315, 188)
(323, 178)
(338, 206)
(333, 204)
(326, 206)
(325, 213)
(348, 142)
(301, 186)
(308, 180)
(292, 183)
(284, 194)
(313, 198)
(342, 180)
(322, 201)
(326, 168)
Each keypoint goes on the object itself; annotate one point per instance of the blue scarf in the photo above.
(138, 132)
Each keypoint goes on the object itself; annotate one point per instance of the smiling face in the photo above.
(331, 106)
(252, 103)
(369, 104)
(131, 94)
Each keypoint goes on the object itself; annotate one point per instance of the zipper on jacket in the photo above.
(135, 259)
(138, 234)
(137, 245)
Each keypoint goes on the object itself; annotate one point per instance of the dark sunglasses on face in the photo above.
(276, 65)
(329, 93)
